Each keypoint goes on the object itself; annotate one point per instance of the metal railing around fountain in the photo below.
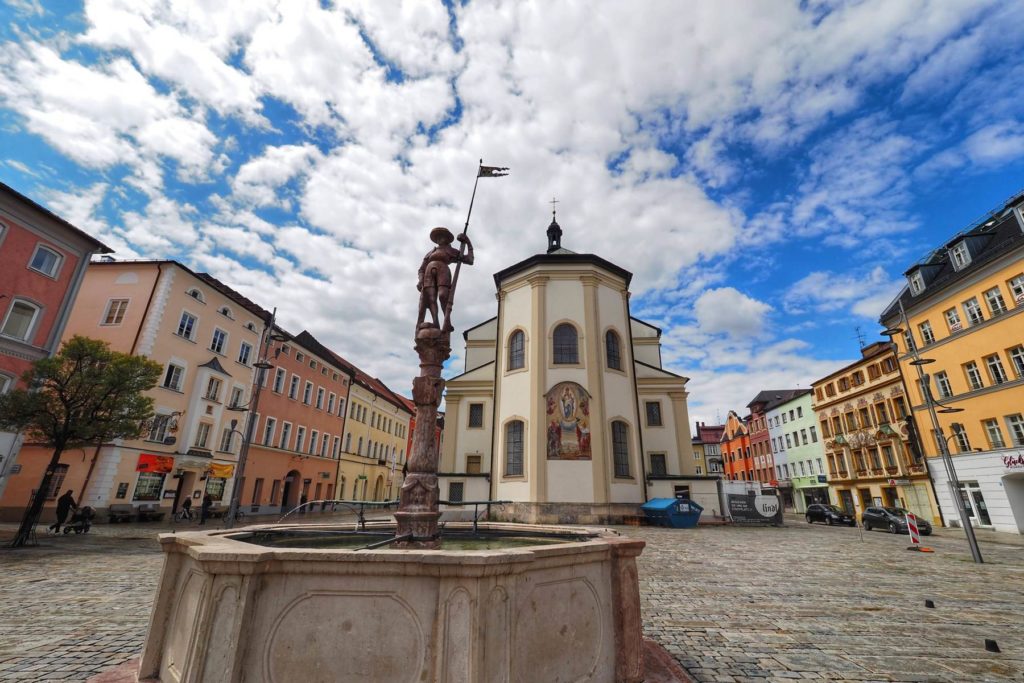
(477, 513)
(357, 506)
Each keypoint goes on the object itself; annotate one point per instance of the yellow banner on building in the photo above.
(221, 471)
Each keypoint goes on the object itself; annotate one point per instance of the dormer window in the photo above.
(250, 326)
(196, 294)
(960, 255)
(916, 282)
(226, 312)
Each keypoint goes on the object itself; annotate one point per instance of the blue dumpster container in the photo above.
(678, 513)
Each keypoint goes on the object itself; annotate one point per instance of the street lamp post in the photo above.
(261, 366)
(947, 459)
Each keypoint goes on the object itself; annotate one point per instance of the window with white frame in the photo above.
(196, 294)
(202, 435)
(219, 341)
(972, 309)
(1016, 285)
(916, 282)
(226, 437)
(320, 398)
(927, 336)
(1017, 358)
(237, 397)
(286, 435)
(325, 443)
(268, 431)
(620, 448)
(114, 315)
(1015, 423)
(245, 353)
(314, 437)
(566, 345)
(293, 388)
(953, 321)
(994, 299)
(335, 447)
(514, 448)
(962, 442)
(653, 409)
(814, 435)
(994, 433)
(300, 438)
(20, 321)
(331, 398)
(226, 312)
(213, 389)
(995, 369)
(45, 261)
(173, 377)
(186, 325)
(960, 255)
(942, 383)
(158, 428)
(307, 393)
(973, 375)
(279, 375)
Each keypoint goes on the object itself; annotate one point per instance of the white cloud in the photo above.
(864, 294)
(726, 310)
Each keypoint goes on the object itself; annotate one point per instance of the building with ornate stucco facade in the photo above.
(564, 407)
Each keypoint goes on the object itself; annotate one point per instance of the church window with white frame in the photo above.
(613, 350)
(566, 345)
(620, 448)
(517, 350)
(514, 448)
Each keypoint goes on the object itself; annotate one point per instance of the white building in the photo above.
(799, 453)
(564, 407)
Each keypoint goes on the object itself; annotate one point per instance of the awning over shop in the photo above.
(221, 470)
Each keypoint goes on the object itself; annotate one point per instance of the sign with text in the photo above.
(158, 464)
(755, 508)
(1014, 462)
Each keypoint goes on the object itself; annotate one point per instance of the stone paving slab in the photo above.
(730, 603)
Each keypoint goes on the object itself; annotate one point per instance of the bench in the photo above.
(121, 512)
(150, 513)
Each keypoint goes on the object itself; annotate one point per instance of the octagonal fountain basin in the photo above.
(310, 603)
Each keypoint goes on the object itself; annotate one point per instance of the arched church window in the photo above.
(613, 350)
(566, 345)
(517, 350)
(514, 448)
(620, 448)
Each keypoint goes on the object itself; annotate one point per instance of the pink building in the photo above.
(42, 262)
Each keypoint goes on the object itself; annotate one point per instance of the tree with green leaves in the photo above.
(85, 394)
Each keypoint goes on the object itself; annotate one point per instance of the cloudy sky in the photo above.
(767, 170)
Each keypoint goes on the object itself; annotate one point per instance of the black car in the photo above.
(894, 520)
(829, 514)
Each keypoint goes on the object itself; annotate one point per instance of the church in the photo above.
(564, 408)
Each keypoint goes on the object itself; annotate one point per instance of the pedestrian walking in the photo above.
(302, 504)
(65, 504)
(204, 509)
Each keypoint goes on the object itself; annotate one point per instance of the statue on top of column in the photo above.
(435, 279)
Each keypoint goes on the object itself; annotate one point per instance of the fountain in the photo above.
(404, 601)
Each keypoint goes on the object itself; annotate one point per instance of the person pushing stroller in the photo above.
(81, 520)
(65, 504)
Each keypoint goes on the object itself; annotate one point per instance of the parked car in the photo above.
(829, 514)
(894, 520)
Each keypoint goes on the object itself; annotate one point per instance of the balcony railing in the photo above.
(917, 469)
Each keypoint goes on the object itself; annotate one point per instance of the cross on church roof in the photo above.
(553, 202)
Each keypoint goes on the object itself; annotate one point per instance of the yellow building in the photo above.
(963, 309)
(862, 409)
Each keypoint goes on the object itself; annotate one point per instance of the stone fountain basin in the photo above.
(231, 610)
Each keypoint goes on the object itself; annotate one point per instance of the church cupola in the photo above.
(554, 231)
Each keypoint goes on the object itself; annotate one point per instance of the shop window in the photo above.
(215, 487)
(148, 486)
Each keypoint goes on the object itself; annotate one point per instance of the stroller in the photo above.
(81, 520)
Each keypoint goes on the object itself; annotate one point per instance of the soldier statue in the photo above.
(435, 279)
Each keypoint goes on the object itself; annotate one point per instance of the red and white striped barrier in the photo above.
(915, 534)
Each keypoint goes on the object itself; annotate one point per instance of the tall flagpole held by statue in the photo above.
(482, 172)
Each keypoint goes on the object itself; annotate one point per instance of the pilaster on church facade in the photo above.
(553, 405)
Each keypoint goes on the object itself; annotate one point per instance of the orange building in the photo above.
(297, 433)
(735, 446)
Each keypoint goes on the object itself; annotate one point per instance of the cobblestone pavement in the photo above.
(829, 603)
(730, 603)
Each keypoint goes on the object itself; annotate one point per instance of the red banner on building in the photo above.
(159, 464)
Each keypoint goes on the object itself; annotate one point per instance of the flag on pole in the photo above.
(492, 171)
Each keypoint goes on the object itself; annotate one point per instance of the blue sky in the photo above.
(766, 170)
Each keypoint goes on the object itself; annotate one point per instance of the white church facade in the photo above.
(564, 408)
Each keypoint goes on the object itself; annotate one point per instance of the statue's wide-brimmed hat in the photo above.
(438, 233)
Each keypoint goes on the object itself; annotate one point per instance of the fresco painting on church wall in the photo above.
(568, 420)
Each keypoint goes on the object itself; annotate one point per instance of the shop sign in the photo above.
(170, 493)
(755, 508)
(158, 464)
(899, 482)
(1014, 462)
(221, 471)
(822, 479)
